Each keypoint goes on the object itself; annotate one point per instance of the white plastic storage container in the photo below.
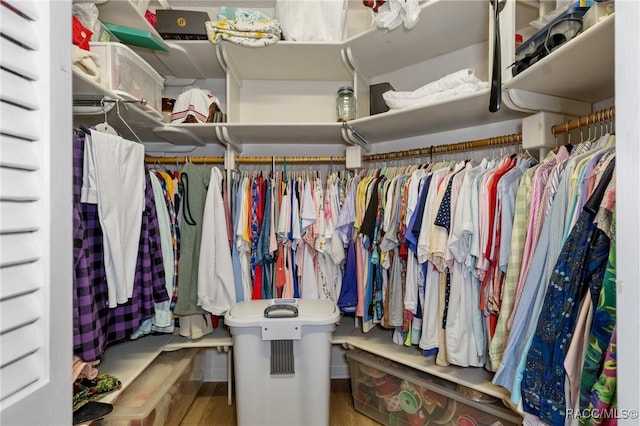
(282, 356)
(162, 394)
(128, 75)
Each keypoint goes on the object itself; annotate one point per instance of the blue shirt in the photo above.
(415, 223)
(525, 318)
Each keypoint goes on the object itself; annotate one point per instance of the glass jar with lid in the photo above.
(345, 104)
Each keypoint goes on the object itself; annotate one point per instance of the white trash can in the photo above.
(282, 360)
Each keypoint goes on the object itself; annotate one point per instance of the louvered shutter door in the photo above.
(35, 213)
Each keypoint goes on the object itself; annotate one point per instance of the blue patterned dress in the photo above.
(580, 266)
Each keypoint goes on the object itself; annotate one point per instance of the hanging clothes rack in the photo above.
(410, 153)
(288, 160)
(448, 148)
(584, 121)
(243, 160)
(182, 160)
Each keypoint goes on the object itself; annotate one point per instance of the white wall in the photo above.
(627, 35)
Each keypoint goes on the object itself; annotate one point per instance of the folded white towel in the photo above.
(462, 81)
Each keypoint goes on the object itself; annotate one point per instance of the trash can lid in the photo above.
(296, 311)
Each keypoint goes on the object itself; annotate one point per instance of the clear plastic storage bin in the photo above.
(128, 75)
(394, 394)
(162, 394)
(282, 360)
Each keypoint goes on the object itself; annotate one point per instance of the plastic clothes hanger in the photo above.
(105, 127)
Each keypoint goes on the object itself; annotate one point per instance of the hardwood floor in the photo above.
(210, 407)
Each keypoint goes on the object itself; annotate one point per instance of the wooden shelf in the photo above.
(373, 52)
(343, 331)
(127, 360)
(378, 342)
(285, 133)
(444, 26)
(145, 121)
(582, 69)
(262, 4)
(460, 111)
(124, 13)
(286, 60)
(573, 72)
(220, 338)
(185, 59)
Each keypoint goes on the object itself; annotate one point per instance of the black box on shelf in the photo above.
(376, 101)
(181, 24)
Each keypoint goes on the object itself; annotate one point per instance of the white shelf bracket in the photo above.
(228, 68)
(347, 58)
(223, 136)
(221, 58)
(359, 82)
(352, 137)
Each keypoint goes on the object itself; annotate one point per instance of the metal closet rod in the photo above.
(91, 100)
(584, 121)
(418, 152)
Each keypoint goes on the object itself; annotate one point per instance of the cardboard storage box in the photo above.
(162, 394)
(393, 394)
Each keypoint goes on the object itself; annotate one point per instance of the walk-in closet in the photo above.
(412, 202)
